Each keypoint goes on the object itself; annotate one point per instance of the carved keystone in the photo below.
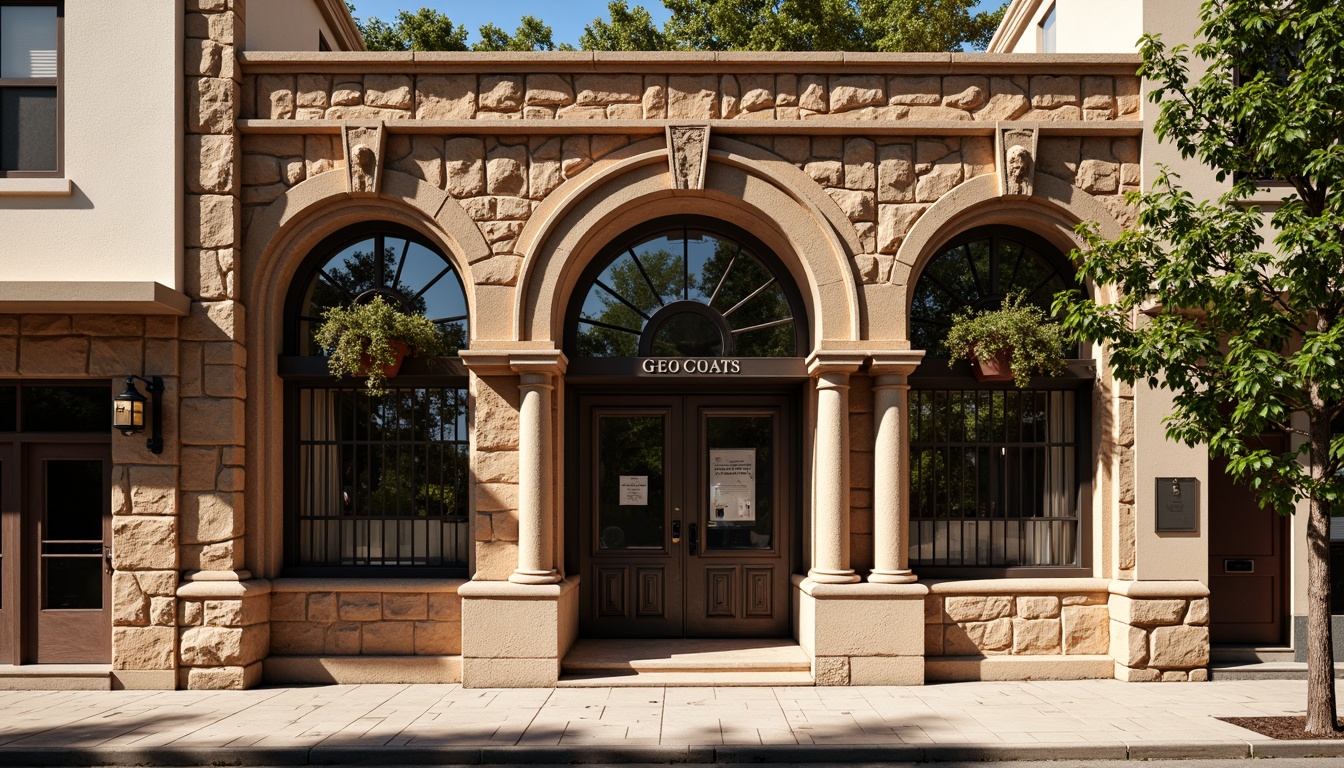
(364, 156)
(1016, 157)
(688, 155)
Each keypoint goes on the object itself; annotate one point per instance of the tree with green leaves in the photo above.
(429, 30)
(1248, 335)
(630, 29)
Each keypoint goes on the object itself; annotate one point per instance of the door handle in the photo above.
(107, 560)
(695, 540)
(676, 531)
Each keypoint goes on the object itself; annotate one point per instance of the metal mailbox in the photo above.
(1177, 500)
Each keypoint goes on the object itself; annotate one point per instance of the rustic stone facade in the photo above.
(1049, 623)
(387, 619)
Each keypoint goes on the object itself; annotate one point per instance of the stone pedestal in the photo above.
(861, 634)
(514, 635)
(225, 631)
(1160, 631)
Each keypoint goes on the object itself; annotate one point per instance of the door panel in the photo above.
(1246, 561)
(69, 521)
(682, 520)
(631, 447)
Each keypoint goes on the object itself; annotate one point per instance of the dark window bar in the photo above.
(994, 478)
(382, 480)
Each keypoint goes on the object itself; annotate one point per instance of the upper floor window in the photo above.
(686, 288)
(1046, 33)
(30, 75)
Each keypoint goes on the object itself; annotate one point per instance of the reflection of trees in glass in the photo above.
(638, 283)
(630, 445)
(404, 454)
(977, 275)
(396, 270)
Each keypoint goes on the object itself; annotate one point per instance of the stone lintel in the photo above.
(83, 297)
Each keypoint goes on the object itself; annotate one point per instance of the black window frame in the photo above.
(941, 375)
(300, 371)
(57, 82)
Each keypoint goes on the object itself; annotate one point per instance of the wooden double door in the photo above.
(55, 537)
(686, 510)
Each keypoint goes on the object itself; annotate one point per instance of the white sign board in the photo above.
(732, 485)
(634, 490)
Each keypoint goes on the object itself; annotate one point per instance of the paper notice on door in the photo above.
(732, 485)
(634, 490)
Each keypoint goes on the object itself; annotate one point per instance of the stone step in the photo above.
(1265, 670)
(56, 677)
(1246, 654)
(623, 657)
(684, 679)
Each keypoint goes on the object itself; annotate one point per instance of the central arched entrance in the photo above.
(686, 340)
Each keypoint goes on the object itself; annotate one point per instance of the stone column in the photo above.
(536, 487)
(830, 507)
(891, 467)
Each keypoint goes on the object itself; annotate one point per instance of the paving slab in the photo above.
(447, 724)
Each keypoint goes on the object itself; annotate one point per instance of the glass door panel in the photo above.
(740, 472)
(631, 486)
(72, 535)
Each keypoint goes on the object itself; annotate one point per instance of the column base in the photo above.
(520, 576)
(900, 576)
(827, 576)
(514, 635)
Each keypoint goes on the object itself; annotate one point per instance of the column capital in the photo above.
(895, 363)
(834, 361)
(504, 362)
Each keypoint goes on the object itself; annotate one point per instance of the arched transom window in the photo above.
(686, 289)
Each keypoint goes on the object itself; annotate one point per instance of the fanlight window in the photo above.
(406, 271)
(686, 292)
(975, 272)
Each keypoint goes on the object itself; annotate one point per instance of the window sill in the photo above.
(38, 186)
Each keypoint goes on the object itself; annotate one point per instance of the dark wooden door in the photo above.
(1246, 561)
(684, 516)
(67, 532)
(10, 533)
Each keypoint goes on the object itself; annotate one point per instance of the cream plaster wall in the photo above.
(1083, 26)
(122, 219)
(1165, 556)
(286, 25)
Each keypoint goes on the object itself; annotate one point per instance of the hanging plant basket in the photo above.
(999, 367)
(400, 351)
(372, 340)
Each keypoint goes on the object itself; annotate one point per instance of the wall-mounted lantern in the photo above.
(128, 410)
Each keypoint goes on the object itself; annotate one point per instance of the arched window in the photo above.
(689, 287)
(998, 475)
(376, 485)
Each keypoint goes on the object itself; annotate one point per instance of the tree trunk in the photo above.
(1320, 640)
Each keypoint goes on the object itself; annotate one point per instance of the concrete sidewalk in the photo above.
(446, 724)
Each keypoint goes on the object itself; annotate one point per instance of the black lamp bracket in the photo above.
(154, 386)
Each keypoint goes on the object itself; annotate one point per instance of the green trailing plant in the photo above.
(360, 340)
(1033, 342)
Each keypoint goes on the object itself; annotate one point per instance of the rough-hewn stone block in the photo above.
(1086, 629)
(1179, 646)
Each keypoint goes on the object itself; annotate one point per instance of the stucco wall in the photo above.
(286, 25)
(1083, 26)
(122, 155)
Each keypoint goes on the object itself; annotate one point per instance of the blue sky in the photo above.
(566, 17)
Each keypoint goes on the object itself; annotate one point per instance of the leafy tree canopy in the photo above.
(1248, 336)
(716, 25)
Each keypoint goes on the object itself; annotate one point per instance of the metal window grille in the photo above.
(994, 477)
(381, 481)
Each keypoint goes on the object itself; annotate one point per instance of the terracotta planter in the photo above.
(996, 368)
(400, 351)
